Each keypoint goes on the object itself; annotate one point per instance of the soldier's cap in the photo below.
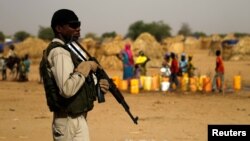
(63, 16)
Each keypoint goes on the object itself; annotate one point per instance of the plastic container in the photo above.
(219, 84)
(200, 82)
(155, 83)
(193, 84)
(142, 81)
(134, 86)
(164, 79)
(237, 82)
(184, 83)
(123, 85)
(116, 80)
(147, 83)
(165, 86)
(207, 84)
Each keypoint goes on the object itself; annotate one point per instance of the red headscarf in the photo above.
(129, 52)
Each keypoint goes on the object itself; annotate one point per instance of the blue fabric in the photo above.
(1, 47)
(230, 42)
(27, 65)
(183, 66)
(127, 72)
(127, 68)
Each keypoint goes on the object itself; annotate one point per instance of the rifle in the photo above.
(82, 54)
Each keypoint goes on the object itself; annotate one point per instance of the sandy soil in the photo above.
(24, 115)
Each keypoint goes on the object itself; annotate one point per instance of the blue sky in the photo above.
(99, 16)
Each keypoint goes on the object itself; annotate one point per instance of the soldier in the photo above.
(70, 86)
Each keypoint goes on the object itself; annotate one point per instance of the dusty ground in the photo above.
(24, 115)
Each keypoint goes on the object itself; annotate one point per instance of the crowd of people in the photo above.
(18, 67)
(133, 68)
(172, 68)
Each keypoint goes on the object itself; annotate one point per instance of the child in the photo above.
(219, 72)
(165, 73)
(183, 65)
(165, 69)
(141, 61)
(174, 71)
(190, 67)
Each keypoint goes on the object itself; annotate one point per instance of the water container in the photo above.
(165, 86)
(193, 84)
(142, 81)
(155, 83)
(219, 84)
(147, 83)
(207, 84)
(184, 83)
(123, 85)
(116, 80)
(237, 82)
(164, 79)
(200, 82)
(134, 86)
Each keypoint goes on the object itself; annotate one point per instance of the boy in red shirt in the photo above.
(219, 72)
(174, 70)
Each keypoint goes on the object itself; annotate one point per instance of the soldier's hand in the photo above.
(104, 84)
(86, 66)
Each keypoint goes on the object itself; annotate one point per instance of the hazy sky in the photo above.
(99, 16)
